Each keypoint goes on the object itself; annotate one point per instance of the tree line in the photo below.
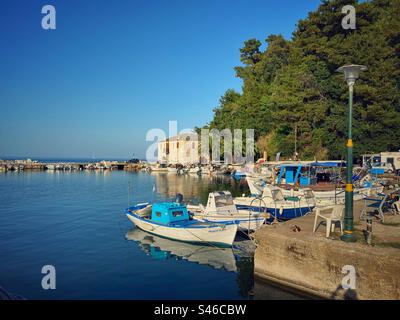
(292, 94)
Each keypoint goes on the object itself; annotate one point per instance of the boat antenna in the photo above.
(295, 141)
(129, 193)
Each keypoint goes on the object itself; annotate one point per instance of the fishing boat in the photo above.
(158, 168)
(172, 169)
(320, 177)
(172, 220)
(220, 207)
(276, 204)
(238, 174)
(182, 170)
(206, 170)
(195, 170)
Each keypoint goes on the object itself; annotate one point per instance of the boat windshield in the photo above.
(177, 213)
(223, 200)
(308, 194)
(277, 195)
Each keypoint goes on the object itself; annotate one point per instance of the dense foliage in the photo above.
(292, 87)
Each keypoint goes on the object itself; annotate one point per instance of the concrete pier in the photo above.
(313, 263)
(29, 165)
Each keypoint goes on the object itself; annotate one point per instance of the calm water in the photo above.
(75, 222)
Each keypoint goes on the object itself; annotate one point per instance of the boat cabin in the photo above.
(169, 212)
(273, 193)
(220, 202)
(307, 174)
(277, 195)
(295, 174)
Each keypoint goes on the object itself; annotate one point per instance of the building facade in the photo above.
(181, 149)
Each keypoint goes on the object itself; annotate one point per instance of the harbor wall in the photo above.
(314, 264)
(69, 166)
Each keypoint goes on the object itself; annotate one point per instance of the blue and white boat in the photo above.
(276, 204)
(172, 220)
(294, 179)
(239, 174)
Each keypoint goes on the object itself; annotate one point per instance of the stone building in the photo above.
(180, 149)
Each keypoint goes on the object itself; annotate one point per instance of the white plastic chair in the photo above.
(331, 214)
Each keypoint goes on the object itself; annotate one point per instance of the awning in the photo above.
(328, 164)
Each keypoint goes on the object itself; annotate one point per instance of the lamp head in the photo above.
(351, 72)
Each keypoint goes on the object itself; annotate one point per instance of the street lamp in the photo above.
(351, 74)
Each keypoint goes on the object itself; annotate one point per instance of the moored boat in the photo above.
(195, 170)
(277, 205)
(323, 178)
(172, 169)
(158, 168)
(220, 207)
(172, 220)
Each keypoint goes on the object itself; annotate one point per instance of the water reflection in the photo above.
(196, 188)
(238, 259)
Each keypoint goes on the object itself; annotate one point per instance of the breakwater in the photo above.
(317, 265)
(30, 165)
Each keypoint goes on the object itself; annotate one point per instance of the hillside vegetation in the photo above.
(292, 86)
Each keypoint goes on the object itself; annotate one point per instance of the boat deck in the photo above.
(321, 186)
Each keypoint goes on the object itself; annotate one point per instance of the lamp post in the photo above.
(351, 74)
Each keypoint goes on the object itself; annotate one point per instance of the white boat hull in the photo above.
(158, 169)
(321, 197)
(215, 233)
(338, 196)
(245, 223)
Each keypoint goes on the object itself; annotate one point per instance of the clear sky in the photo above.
(112, 70)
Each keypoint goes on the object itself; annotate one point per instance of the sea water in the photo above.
(75, 222)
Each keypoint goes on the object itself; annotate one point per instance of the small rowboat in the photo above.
(171, 220)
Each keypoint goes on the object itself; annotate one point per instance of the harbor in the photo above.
(276, 237)
(299, 246)
(185, 150)
(103, 252)
(36, 165)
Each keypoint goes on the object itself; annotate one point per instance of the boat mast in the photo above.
(295, 141)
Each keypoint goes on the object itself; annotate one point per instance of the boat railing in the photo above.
(337, 193)
(306, 199)
(261, 209)
(275, 207)
(221, 212)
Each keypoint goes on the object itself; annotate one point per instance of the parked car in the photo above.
(134, 160)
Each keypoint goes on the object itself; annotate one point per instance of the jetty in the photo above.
(32, 165)
(290, 254)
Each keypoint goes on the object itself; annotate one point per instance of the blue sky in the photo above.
(112, 70)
